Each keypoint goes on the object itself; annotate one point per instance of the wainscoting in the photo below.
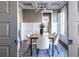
(29, 27)
(64, 45)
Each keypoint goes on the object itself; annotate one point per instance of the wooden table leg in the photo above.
(31, 47)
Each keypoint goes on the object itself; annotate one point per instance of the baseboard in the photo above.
(64, 45)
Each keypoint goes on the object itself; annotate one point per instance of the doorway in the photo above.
(47, 21)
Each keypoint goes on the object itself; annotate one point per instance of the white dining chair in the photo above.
(42, 43)
(56, 42)
(53, 33)
(28, 38)
(33, 41)
(30, 33)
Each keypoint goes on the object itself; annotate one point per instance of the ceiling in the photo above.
(50, 5)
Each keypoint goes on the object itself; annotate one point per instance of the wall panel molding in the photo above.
(4, 51)
(4, 29)
(4, 7)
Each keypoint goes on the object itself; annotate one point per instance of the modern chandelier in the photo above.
(40, 7)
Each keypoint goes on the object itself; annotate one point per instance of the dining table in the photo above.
(35, 36)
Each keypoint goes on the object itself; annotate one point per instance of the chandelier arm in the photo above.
(40, 7)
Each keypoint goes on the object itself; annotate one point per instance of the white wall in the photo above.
(29, 27)
(73, 20)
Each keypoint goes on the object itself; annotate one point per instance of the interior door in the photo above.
(8, 28)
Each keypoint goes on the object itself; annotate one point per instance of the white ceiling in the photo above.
(47, 4)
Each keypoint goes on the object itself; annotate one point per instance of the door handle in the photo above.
(16, 42)
(70, 42)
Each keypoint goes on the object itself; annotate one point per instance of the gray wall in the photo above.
(31, 16)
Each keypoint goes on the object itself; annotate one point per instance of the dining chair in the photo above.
(33, 41)
(42, 43)
(25, 44)
(53, 33)
(28, 38)
(56, 41)
(30, 33)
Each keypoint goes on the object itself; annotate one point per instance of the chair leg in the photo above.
(49, 47)
(37, 50)
(47, 50)
(28, 48)
(57, 49)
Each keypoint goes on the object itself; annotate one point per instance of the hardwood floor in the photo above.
(64, 45)
(61, 49)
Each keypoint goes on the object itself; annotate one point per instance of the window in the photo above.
(55, 22)
(62, 22)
